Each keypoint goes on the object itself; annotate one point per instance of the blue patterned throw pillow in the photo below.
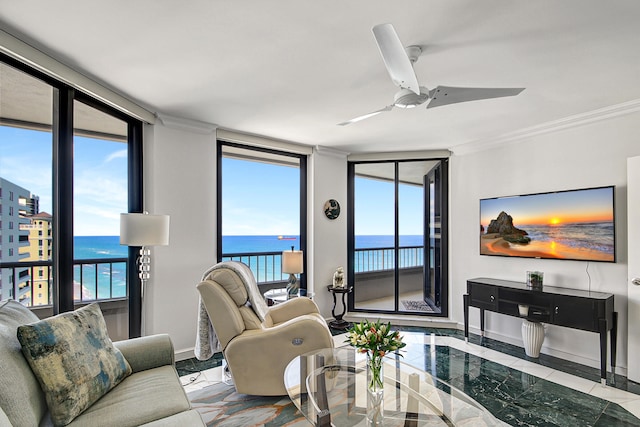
(74, 360)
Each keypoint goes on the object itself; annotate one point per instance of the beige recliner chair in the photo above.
(258, 341)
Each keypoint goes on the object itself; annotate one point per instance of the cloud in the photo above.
(120, 154)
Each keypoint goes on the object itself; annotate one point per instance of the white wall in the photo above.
(180, 180)
(179, 177)
(327, 238)
(633, 200)
(590, 155)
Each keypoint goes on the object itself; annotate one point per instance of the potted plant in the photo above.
(534, 279)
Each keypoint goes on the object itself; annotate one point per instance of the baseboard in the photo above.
(185, 354)
(408, 320)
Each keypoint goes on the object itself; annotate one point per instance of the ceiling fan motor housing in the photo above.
(406, 98)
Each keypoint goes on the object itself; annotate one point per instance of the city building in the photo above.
(17, 204)
(39, 249)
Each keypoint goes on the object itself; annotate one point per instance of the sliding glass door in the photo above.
(397, 235)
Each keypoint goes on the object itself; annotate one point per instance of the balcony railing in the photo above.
(94, 280)
(380, 259)
(266, 266)
(105, 278)
(100, 279)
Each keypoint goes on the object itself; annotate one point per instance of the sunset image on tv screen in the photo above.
(576, 225)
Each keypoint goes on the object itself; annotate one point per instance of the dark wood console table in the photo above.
(572, 308)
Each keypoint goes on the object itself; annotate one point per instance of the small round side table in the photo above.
(339, 323)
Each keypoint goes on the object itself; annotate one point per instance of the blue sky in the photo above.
(374, 210)
(100, 176)
(261, 199)
(258, 198)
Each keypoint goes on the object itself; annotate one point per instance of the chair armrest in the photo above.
(290, 309)
(147, 352)
(258, 357)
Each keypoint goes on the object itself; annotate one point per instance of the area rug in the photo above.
(220, 406)
(413, 305)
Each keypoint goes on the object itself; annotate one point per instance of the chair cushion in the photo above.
(232, 283)
(74, 360)
(142, 397)
(233, 274)
(188, 418)
(21, 397)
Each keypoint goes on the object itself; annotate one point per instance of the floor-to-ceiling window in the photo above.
(261, 209)
(66, 168)
(397, 236)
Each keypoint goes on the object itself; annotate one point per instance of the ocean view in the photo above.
(89, 247)
(109, 281)
(92, 247)
(592, 236)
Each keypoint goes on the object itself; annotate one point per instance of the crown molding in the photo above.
(577, 120)
(187, 124)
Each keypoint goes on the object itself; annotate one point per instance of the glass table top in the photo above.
(329, 388)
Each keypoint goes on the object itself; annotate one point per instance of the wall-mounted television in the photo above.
(571, 225)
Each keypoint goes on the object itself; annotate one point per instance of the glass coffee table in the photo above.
(329, 388)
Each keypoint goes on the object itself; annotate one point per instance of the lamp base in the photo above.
(292, 286)
(144, 266)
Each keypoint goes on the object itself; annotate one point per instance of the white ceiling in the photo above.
(293, 69)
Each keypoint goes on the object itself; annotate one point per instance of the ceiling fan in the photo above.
(399, 62)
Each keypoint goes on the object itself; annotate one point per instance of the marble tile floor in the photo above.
(518, 390)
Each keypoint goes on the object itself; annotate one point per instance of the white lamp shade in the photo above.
(292, 262)
(137, 229)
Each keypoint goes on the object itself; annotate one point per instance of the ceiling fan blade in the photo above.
(366, 116)
(395, 58)
(445, 95)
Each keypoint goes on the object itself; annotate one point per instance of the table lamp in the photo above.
(144, 230)
(292, 264)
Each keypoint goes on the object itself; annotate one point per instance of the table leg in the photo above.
(614, 345)
(603, 351)
(339, 323)
(465, 300)
(323, 418)
(344, 308)
(482, 321)
(333, 310)
(411, 417)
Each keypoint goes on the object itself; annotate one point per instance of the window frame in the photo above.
(302, 158)
(444, 211)
(62, 130)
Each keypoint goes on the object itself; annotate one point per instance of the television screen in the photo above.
(573, 225)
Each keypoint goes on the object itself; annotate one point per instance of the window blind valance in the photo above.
(263, 142)
(46, 64)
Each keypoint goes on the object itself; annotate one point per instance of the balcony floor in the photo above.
(410, 302)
